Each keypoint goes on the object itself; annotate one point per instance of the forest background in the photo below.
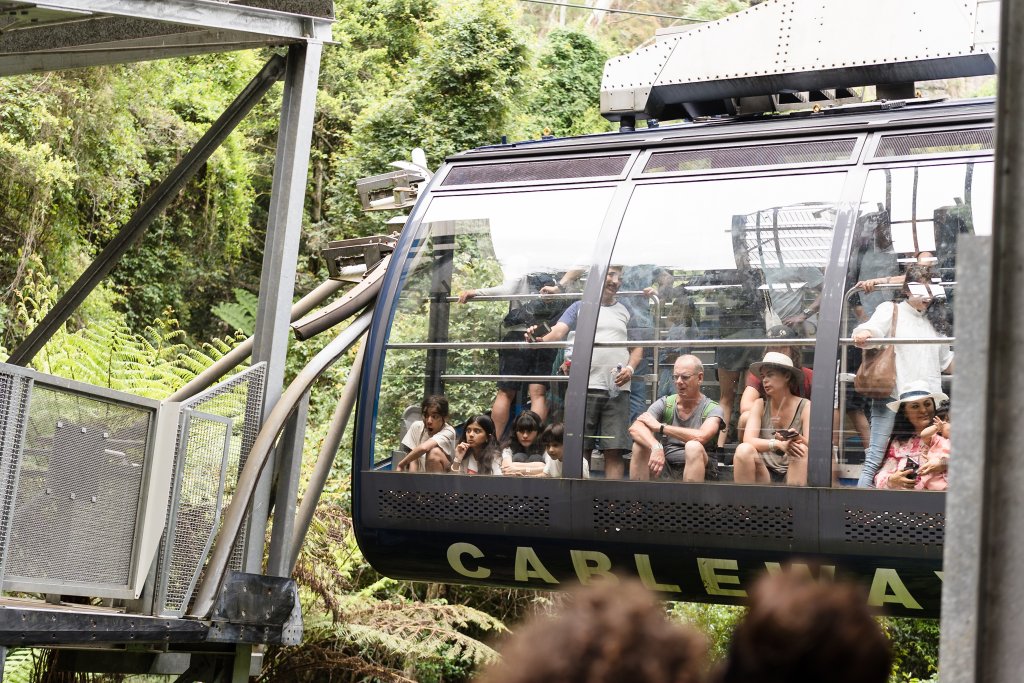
(80, 150)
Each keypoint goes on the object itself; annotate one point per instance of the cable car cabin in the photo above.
(694, 241)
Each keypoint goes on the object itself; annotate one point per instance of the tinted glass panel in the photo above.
(702, 273)
(904, 258)
(472, 286)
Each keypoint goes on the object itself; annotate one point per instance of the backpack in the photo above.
(670, 411)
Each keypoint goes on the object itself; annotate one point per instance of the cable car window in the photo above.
(901, 285)
(705, 278)
(484, 270)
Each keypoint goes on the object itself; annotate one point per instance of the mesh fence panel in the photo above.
(208, 459)
(78, 493)
(14, 406)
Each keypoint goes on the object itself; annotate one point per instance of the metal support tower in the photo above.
(983, 589)
(280, 256)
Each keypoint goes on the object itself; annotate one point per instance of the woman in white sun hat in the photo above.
(917, 455)
(774, 447)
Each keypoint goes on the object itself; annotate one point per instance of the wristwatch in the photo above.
(774, 448)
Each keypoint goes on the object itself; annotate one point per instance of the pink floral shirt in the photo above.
(901, 451)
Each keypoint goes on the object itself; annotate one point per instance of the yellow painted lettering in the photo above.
(886, 580)
(825, 571)
(529, 566)
(646, 573)
(456, 551)
(713, 581)
(589, 564)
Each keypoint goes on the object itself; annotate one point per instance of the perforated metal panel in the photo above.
(706, 519)
(521, 171)
(14, 405)
(464, 507)
(760, 155)
(917, 144)
(218, 429)
(79, 490)
(882, 527)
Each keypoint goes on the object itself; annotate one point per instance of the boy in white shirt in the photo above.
(552, 439)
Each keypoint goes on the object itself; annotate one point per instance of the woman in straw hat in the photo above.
(774, 447)
(917, 455)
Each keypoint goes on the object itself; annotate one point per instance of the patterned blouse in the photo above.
(914, 449)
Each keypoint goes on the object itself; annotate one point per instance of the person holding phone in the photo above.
(611, 374)
(917, 455)
(774, 448)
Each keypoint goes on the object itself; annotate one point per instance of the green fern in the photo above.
(364, 624)
(19, 665)
(240, 314)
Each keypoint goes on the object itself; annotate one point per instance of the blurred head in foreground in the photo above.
(605, 633)
(800, 629)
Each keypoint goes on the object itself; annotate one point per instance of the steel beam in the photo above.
(280, 254)
(185, 46)
(208, 14)
(325, 461)
(289, 464)
(161, 197)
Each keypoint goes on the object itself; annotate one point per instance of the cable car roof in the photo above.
(805, 49)
(855, 119)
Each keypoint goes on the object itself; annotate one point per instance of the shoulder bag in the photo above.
(876, 377)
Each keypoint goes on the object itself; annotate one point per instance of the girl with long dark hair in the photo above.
(479, 452)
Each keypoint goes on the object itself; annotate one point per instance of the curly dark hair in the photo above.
(800, 629)
(605, 633)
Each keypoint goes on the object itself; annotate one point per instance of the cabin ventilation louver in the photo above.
(704, 519)
(885, 527)
(525, 171)
(783, 154)
(918, 144)
(442, 506)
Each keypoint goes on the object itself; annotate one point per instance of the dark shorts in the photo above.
(674, 470)
(739, 358)
(523, 362)
(607, 424)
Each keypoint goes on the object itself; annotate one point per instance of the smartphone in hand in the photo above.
(912, 467)
(786, 434)
(541, 329)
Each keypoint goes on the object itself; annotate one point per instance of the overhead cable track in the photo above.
(616, 11)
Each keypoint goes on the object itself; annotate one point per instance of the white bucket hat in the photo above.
(915, 391)
(774, 359)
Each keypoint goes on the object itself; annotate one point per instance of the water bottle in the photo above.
(613, 388)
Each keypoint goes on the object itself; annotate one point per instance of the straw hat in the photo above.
(774, 359)
(915, 391)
